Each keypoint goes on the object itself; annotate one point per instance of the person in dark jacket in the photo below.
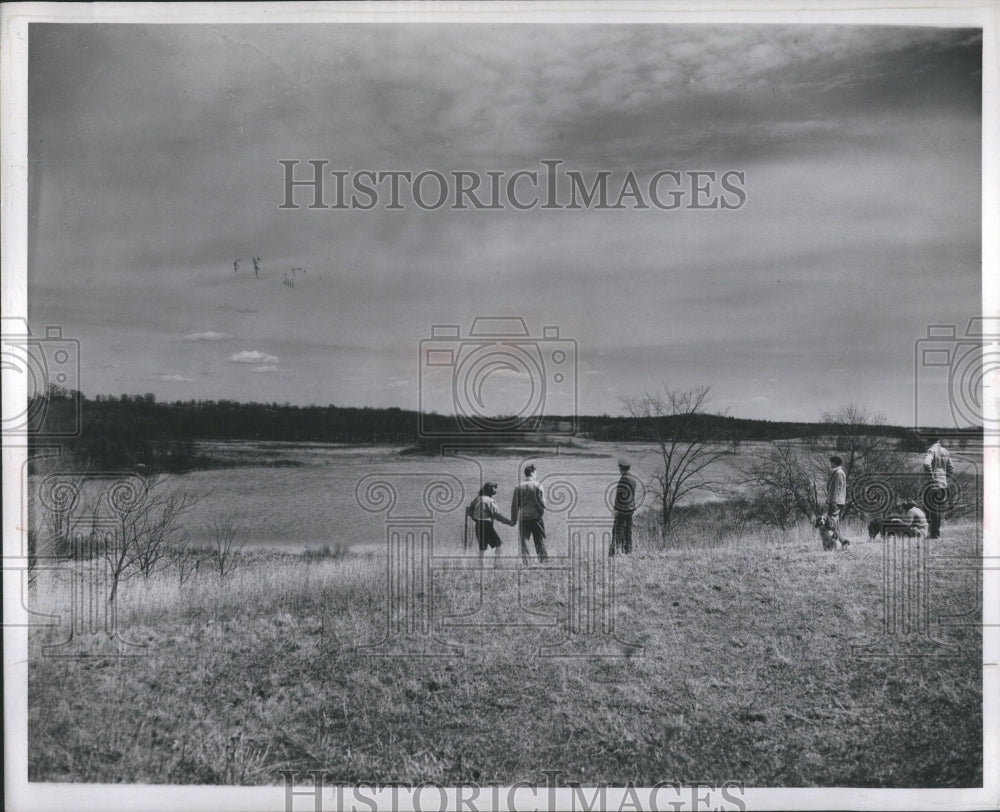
(527, 509)
(621, 533)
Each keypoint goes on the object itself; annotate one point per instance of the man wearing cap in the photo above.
(527, 508)
(937, 497)
(621, 533)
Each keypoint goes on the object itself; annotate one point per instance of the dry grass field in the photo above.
(747, 671)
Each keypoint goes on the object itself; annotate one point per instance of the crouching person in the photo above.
(483, 510)
(916, 519)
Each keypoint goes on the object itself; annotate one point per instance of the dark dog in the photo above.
(891, 526)
(828, 534)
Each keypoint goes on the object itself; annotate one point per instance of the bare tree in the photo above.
(55, 507)
(782, 485)
(159, 530)
(863, 442)
(687, 439)
(186, 559)
(227, 543)
(146, 528)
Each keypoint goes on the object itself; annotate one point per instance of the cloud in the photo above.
(252, 357)
(831, 125)
(175, 379)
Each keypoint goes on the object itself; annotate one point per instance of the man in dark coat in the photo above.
(621, 533)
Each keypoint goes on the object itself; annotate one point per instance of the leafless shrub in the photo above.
(146, 528)
(227, 543)
(782, 486)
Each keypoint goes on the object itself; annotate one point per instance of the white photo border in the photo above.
(22, 795)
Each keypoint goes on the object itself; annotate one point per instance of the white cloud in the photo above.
(175, 379)
(208, 335)
(252, 357)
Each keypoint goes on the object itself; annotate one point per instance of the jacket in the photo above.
(625, 494)
(528, 501)
(937, 463)
(836, 487)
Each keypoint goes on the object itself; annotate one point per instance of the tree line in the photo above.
(120, 432)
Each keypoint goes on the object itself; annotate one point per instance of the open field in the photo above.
(746, 673)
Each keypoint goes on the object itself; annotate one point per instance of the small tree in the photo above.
(782, 486)
(227, 544)
(158, 530)
(186, 560)
(688, 442)
(147, 527)
(55, 507)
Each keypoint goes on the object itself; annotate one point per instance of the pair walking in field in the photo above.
(527, 510)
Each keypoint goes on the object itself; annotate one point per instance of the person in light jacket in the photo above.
(937, 496)
(915, 518)
(836, 493)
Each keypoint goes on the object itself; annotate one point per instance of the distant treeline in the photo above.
(116, 432)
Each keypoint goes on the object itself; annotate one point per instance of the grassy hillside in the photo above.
(746, 674)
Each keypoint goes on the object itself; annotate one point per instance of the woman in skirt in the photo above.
(483, 511)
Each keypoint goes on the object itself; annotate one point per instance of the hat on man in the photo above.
(624, 462)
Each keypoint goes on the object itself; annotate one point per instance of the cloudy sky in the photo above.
(155, 166)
